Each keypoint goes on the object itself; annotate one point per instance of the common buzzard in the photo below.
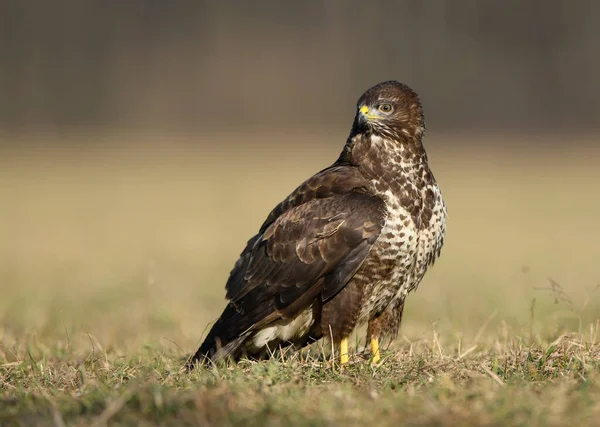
(345, 248)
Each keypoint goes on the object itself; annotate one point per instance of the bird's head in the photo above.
(390, 110)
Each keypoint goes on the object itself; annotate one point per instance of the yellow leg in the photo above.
(375, 350)
(344, 351)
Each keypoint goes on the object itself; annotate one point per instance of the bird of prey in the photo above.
(344, 248)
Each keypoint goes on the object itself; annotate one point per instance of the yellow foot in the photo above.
(344, 351)
(375, 350)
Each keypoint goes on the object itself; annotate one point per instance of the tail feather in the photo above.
(224, 339)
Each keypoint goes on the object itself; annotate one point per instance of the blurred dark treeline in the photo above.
(226, 65)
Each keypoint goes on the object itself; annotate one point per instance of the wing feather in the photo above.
(306, 251)
(310, 249)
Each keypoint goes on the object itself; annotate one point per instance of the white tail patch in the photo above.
(283, 330)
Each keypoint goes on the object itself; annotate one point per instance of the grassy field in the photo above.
(113, 262)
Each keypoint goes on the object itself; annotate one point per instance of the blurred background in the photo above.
(143, 142)
(198, 65)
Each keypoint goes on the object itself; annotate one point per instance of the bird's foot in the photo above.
(375, 354)
(344, 351)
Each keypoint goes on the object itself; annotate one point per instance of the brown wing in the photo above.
(310, 250)
(333, 181)
(309, 247)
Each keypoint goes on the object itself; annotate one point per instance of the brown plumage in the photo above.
(345, 247)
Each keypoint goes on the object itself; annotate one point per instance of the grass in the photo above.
(112, 264)
(507, 383)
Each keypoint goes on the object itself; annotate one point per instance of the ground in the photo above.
(113, 259)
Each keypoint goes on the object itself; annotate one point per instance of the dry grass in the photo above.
(113, 262)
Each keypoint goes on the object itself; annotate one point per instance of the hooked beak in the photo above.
(364, 115)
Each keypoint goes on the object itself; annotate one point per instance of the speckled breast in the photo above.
(407, 245)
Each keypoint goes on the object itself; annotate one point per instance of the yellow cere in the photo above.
(365, 110)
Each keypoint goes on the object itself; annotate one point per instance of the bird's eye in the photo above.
(385, 108)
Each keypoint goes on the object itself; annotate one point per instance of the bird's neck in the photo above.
(385, 159)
